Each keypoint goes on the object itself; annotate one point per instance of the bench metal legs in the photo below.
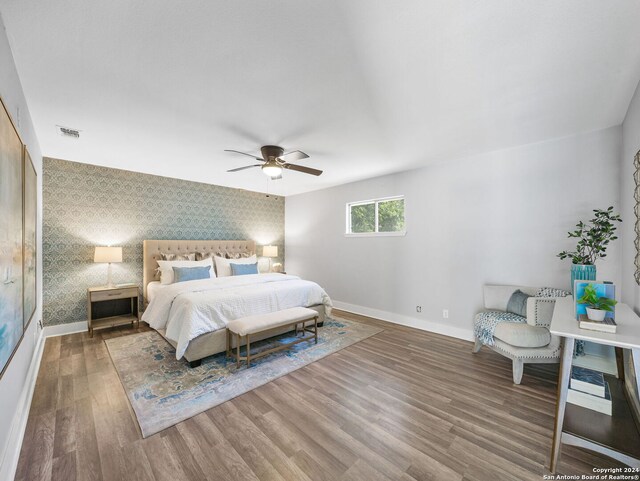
(313, 330)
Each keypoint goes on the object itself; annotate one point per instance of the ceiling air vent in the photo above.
(67, 132)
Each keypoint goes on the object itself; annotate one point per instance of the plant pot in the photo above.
(582, 272)
(596, 314)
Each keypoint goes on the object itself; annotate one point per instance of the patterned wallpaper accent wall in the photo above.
(86, 206)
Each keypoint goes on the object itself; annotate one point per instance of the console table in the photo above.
(616, 436)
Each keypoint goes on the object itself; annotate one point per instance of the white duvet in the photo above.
(187, 310)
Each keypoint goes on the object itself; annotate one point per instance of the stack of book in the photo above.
(589, 390)
(608, 325)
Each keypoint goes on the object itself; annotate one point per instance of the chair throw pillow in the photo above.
(518, 303)
(552, 292)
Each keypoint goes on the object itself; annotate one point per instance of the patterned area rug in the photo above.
(164, 391)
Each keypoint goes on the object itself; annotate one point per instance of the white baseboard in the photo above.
(64, 329)
(9, 460)
(423, 324)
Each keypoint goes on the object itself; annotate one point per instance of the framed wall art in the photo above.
(29, 245)
(11, 220)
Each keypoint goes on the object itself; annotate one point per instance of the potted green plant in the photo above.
(593, 237)
(597, 307)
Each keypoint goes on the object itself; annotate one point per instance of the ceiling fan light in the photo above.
(272, 170)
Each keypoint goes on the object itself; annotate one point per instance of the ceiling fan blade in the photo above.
(244, 153)
(293, 156)
(301, 168)
(245, 167)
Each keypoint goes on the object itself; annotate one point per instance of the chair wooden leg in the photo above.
(518, 369)
(477, 346)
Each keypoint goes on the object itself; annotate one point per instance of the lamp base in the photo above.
(109, 279)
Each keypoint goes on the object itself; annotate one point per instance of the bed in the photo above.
(192, 315)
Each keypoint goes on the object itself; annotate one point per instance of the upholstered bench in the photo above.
(247, 326)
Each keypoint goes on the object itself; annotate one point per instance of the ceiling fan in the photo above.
(274, 160)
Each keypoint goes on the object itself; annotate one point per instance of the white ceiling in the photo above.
(365, 87)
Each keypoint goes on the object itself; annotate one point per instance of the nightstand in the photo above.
(113, 306)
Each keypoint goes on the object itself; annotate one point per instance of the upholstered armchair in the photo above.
(524, 340)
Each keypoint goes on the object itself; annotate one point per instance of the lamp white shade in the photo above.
(269, 251)
(108, 254)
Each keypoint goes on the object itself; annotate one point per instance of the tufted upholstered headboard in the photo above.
(151, 250)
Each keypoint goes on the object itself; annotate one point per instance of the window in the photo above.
(376, 217)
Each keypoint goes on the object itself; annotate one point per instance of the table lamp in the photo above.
(108, 255)
(270, 252)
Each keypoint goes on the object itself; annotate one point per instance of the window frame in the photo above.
(375, 202)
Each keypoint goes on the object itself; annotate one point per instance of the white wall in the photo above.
(630, 289)
(495, 218)
(14, 380)
(630, 145)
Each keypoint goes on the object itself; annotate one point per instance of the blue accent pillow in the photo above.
(182, 274)
(244, 269)
(518, 303)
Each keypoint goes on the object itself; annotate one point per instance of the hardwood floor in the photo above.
(402, 405)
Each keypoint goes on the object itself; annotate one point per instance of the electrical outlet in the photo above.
(445, 313)
(418, 308)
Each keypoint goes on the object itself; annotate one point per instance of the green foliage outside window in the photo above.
(363, 218)
(390, 216)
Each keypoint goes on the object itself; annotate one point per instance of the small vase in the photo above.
(582, 272)
(596, 314)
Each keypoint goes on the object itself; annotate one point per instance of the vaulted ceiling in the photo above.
(365, 87)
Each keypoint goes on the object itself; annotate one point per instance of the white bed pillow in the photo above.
(166, 268)
(223, 266)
